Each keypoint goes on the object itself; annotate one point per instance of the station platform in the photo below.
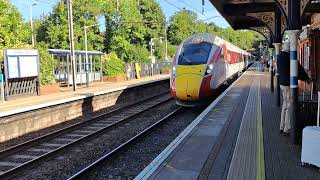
(236, 138)
(28, 103)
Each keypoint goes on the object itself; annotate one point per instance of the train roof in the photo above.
(206, 37)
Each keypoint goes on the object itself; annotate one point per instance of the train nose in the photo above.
(187, 87)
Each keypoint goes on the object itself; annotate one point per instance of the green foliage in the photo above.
(185, 23)
(152, 12)
(172, 50)
(160, 50)
(138, 54)
(13, 31)
(53, 29)
(242, 38)
(113, 66)
(47, 65)
(129, 29)
(182, 25)
(122, 26)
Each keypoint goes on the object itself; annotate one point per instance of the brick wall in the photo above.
(23, 123)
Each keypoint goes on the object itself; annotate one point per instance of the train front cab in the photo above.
(192, 72)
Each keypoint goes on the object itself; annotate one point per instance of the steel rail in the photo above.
(11, 151)
(86, 171)
(22, 146)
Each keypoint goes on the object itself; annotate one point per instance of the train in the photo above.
(202, 64)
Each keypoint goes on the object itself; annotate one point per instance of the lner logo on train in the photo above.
(202, 63)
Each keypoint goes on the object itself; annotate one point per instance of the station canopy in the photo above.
(63, 51)
(263, 15)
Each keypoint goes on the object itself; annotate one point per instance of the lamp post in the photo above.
(31, 23)
(71, 37)
(86, 49)
(166, 39)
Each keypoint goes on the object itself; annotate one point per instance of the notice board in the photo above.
(21, 63)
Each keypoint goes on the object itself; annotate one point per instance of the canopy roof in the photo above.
(63, 51)
(263, 14)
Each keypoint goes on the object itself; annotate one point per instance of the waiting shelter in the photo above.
(91, 66)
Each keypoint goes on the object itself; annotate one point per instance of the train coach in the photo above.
(202, 63)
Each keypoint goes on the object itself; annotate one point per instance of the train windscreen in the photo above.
(196, 53)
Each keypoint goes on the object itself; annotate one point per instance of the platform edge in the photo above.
(154, 165)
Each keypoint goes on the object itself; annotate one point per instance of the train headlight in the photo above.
(174, 71)
(209, 69)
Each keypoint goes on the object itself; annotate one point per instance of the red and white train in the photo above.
(202, 63)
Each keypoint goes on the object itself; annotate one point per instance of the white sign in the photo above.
(13, 69)
(21, 52)
(28, 66)
(22, 63)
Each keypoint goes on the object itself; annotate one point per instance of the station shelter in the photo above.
(91, 67)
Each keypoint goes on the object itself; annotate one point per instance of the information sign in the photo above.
(21, 63)
(13, 68)
(28, 66)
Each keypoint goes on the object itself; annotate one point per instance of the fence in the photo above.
(146, 69)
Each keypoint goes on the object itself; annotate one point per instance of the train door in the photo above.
(219, 71)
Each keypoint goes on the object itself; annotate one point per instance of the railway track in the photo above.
(26, 155)
(86, 173)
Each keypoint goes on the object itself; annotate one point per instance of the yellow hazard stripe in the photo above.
(260, 147)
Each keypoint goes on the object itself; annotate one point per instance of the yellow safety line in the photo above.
(260, 148)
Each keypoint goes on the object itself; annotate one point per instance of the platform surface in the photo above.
(27, 103)
(235, 138)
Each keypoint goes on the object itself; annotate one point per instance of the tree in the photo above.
(151, 12)
(185, 23)
(13, 31)
(182, 25)
(123, 27)
(54, 30)
(47, 64)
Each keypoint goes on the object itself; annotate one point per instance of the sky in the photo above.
(169, 7)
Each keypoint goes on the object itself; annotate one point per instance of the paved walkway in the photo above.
(235, 138)
(29, 102)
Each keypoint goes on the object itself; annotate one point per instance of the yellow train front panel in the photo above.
(188, 81)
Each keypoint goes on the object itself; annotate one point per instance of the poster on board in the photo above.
(21, 63)
(28, 66)
(13, 68)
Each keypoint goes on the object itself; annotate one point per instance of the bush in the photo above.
(47, 65)
(138, 53)
(113, 66)
(172, 50)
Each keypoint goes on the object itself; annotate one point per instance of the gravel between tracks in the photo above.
(77, 157)
(133, 160)
(33, 135)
